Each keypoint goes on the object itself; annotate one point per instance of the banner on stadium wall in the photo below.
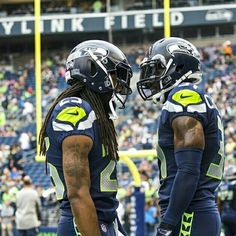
(101, 22)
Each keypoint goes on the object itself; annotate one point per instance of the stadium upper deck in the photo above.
(25, 7)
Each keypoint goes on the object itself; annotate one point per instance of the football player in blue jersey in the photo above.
(190, 145)
(79, 139)
(226, 194)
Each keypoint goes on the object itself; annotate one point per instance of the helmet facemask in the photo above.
(152, 78)
(120, 78)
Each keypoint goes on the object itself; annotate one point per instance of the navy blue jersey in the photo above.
(227, 194)
(74, 116)
(187, 100)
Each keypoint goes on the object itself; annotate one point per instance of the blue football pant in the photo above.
(27, 232)
(67, 227)
(199, 224)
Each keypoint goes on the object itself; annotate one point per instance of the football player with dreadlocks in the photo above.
(190, 145)
(79, 139)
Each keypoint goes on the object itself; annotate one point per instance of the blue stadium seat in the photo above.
(36, 171)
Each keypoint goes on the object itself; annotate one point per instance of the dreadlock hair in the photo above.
(106, 127)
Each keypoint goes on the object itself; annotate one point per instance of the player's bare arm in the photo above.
(189, 144)
(188, 132)
(77, 176)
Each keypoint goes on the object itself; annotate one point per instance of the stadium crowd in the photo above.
(97, 6)
(136, 128)
(52, 7)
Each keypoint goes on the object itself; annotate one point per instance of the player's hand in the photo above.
(164, 230)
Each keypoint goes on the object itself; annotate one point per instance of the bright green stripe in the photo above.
(71, 115)
(103, 151)
(186, 97)
(186, 224)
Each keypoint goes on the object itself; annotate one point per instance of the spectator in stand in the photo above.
(6, 218)
(16, 157)
(24, 141)
(151, 213)
(27, 207)
(228, 51)
(27, 111)
(6, 195)
(97, 6)
(2, 118)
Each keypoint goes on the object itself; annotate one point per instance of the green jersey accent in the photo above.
(186, 97)
(186, 224)
(216, 170)
(57, 182)
(71, 115)
(106, 183)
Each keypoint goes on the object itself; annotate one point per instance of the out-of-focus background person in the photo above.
(7, 218)
(27, 209)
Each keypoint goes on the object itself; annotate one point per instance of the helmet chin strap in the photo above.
(160, 97)
(116, 98)
(113, 115)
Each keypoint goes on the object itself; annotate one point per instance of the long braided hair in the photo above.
(106, 127)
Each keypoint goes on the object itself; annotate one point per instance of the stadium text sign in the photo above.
(117, 21)
(24, 26)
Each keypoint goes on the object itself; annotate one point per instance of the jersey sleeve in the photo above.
(186, 100)
(72, 116)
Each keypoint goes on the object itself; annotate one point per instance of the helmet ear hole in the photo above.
(179, 68)
(92, 66)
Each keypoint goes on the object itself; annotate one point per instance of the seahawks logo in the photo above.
(182, 47)
(95, 50)
(98, 51)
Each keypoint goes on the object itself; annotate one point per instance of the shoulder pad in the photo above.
(71, 114)
(72, 111)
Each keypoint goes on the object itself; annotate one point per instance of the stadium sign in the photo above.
(215, 15)
(100, 22)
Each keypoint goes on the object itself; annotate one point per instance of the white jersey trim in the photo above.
(201, 108)
(171, 107)
(82, 125)
(87, 123)
(61, 127)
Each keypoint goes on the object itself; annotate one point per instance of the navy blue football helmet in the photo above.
(94, 62)
(168, 62)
